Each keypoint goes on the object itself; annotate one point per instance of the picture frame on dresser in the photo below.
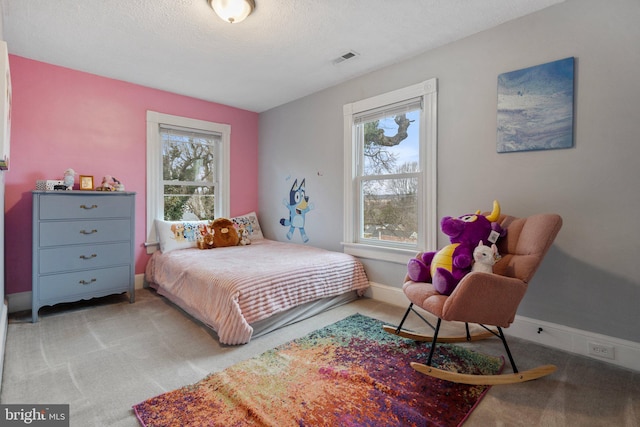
(86, 182)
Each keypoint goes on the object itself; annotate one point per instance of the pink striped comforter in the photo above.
(229, 288)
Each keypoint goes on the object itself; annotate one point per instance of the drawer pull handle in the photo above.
(84, 282)
(88, 232)
(88, 207)
(88, 257)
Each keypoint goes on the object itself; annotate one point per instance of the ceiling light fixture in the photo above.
(233, 11)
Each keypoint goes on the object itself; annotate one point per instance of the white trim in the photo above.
(19, 301)
(383, 253)
(421, 89)
(139, 281)
(154, 184)
(626, 353)
(386, 293)
(428, 163)
(431, 166)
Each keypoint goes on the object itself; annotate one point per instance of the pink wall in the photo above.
(62, 118)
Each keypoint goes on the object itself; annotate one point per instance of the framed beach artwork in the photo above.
(535, 107)
(5, 106)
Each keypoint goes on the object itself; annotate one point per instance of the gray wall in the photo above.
(590, 279)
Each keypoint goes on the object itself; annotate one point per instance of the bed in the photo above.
(246, 291)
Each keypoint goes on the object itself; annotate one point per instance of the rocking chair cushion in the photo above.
(425, 296)
(505, 292)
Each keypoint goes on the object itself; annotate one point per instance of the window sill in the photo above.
(379, 253)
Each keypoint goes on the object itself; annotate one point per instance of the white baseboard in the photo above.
(21, 301)
(139, 281)
(624, 353)
(386, 293)
(616, 351)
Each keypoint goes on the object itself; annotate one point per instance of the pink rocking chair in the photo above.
(490, 300)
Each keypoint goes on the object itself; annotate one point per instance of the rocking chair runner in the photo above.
(490, 300)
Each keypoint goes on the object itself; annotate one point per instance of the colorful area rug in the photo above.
(351, 373)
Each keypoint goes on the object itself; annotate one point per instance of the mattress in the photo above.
(234, 288)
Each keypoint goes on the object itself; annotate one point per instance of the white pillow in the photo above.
(174, 235)
(250, 222)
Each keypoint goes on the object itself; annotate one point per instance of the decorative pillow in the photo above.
(250, 223)
(174, 235)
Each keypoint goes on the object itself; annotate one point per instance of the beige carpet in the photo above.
(107, 355)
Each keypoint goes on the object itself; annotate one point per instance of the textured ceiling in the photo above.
(283, 51)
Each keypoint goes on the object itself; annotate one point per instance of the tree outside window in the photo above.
(390, 174)
(188, 174)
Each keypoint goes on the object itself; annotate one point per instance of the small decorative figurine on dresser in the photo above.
(69, 178)
(118, 185)
(110, 183)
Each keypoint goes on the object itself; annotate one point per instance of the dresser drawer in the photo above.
(58, 233)
(57, 206)
(60, 286)
(84, 257)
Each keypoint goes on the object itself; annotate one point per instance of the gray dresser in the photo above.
(83, 246)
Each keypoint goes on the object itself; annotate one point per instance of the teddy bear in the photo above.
(446, 267)
(224, 233)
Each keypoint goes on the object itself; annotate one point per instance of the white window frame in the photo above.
(154, 166)
(427, 185)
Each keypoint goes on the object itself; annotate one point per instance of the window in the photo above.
(390, 173)
(187, 169)
(189, 173)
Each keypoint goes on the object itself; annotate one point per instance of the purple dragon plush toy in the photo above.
(445, 268)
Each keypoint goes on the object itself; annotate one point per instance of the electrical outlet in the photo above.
(605, 351)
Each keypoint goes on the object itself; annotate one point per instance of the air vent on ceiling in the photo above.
(349, 55)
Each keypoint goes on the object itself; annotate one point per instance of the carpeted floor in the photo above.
(350, 373)
(104, 357)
